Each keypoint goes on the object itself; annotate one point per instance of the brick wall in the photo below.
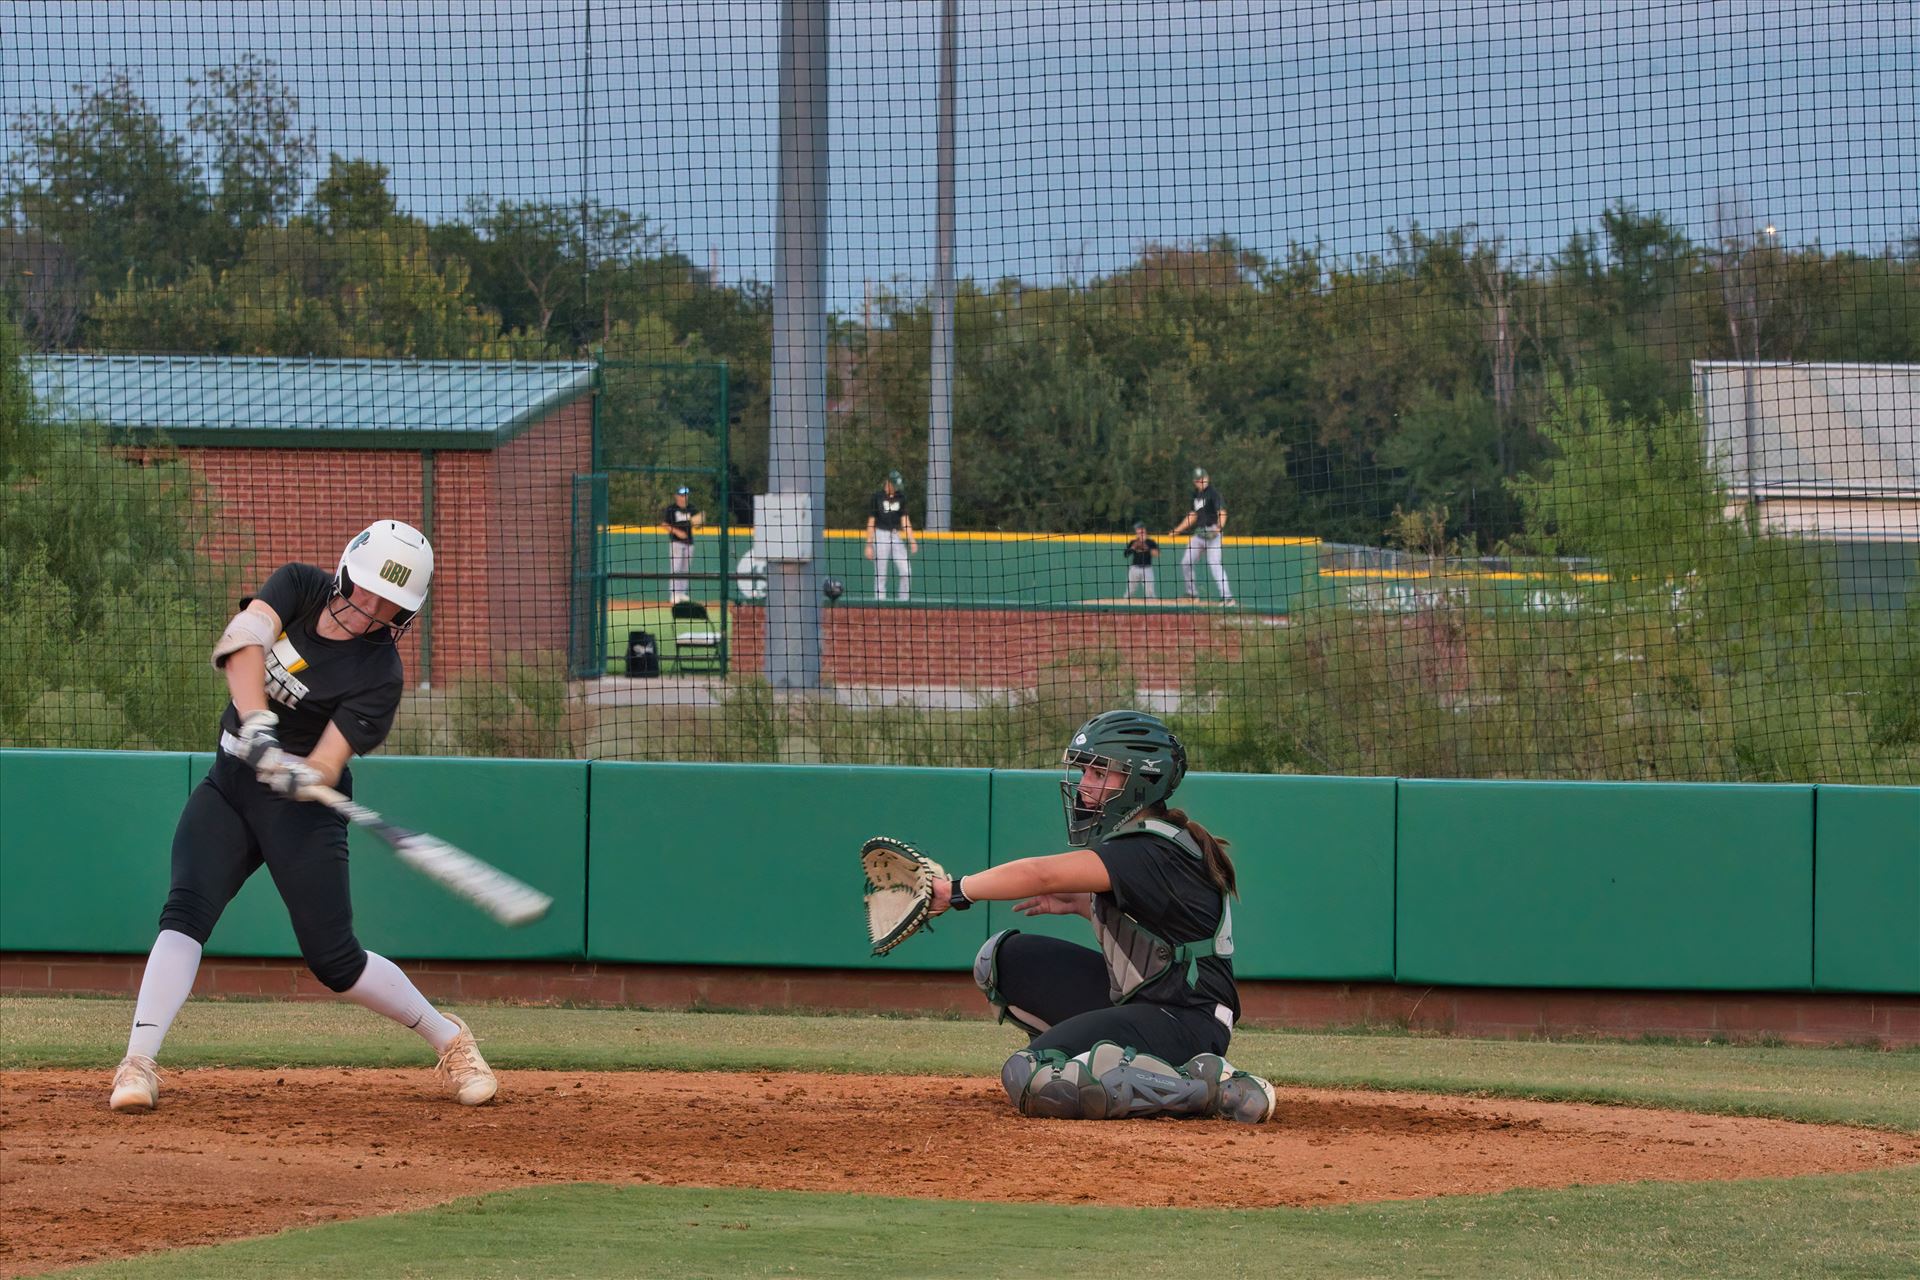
(992, 648)
(277, 505)
(499, 527)
(532, 500)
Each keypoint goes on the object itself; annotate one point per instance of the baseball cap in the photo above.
(893, 478)
(1139, 526)
(683, 492)
(1199, 473)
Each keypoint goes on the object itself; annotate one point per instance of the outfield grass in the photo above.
(1853, 1086)
(1849, 1225)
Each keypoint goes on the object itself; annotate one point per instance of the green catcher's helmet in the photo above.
(1137, 745)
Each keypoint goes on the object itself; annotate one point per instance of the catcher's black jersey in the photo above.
(312, 681)
(1166, 889)
(679, 522)
(1207, 506)
(1141, 549)
(887, 512)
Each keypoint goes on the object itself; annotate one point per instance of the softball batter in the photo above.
(1107, 1027)
(315, 679)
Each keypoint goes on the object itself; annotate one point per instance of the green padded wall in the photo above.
(84, 839)
(527, 817)
(1866, 895)
(759, 864)
(1314, 858)
(1624, 885)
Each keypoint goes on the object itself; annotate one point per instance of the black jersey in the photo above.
(1207, 506)
(1141, 549)
(1166, 889)
(887, 512)
(313, 681)
(679, 522)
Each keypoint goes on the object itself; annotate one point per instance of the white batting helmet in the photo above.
(393, 560)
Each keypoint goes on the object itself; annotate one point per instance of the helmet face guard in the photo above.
(1149, 760)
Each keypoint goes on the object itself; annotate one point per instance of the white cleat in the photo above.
(136, 1084)
(468, 1079)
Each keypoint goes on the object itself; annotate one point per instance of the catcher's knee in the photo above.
(1045, 1082)
(986, 976)
(1107, 1082)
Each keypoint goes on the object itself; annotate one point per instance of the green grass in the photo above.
(1850, 1225)
(1852, 1086)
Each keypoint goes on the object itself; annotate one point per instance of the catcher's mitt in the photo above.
(899, 890)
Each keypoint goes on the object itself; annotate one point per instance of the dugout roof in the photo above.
(367, 404)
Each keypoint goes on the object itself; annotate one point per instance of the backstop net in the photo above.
(1469, 389)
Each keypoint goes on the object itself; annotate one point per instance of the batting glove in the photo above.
(260, 741)
(288, 774)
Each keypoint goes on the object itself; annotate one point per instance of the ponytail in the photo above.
(1213, 850)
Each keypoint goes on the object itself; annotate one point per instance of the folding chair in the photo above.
(696, 641)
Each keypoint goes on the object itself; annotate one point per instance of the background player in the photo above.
(315, 679)
(1208, 520)
(681, 520)
(1108, 1025)
(1141, 551)
(890, 537)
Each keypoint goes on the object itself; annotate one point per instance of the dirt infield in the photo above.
(243, 1153)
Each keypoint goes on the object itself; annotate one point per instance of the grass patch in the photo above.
(1848, 1225)
(1850, 1086)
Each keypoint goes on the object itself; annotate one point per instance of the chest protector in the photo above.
(1142, 964)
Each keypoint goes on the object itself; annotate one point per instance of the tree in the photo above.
(106, 605)
(111, 184)
(353, 196)
(249, 116)
(546, 266)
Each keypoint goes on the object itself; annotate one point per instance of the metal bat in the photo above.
(510, 901)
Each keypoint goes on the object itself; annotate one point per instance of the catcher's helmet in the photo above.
(1137, 745)
(393, 560)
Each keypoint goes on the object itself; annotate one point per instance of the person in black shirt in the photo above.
(681, 520)
(315, 680)
(1141, 551)
(890, 537)
(1208, 520)
(1107, 1026)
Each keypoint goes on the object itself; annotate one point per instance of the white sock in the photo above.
(164, 987)
(389, 992)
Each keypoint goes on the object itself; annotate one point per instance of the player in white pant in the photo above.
(1141, 551)
(680, 520)
(1208, 521)
(890, 537)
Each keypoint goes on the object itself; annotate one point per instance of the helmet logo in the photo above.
(1080, 740)
(396, 573)
(360, 541)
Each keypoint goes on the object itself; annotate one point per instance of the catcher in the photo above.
(1107, 1026)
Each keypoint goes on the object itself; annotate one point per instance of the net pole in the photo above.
(797, 442)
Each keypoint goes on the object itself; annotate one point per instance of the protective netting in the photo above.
(1554, 371)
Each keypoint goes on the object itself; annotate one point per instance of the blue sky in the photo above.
(1086, 129)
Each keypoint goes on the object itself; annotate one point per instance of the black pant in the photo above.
(1065, 985)
(232, 824)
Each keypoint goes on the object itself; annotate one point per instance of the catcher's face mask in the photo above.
(1101, 792)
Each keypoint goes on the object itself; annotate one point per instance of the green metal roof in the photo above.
(364, 404)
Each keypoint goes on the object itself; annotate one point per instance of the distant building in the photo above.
(302, 454)
(1828, 452)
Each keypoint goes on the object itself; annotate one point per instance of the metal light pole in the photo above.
(797, 435)
(940, 374)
